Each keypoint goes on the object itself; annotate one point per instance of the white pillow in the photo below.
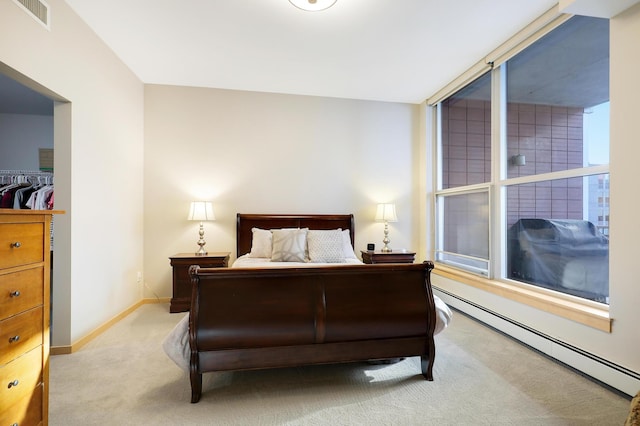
(326, 246)
(260, 243)
(289, 245)
(347, 248)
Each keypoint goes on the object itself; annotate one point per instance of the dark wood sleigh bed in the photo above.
(254, 318)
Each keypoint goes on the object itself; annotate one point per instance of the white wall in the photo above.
(254, 152)
(622, 345)
(21, 135)
(98, 147)
(625, 150)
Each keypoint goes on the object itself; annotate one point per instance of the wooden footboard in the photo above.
(266, 318)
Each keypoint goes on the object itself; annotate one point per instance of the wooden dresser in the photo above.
(25, 269)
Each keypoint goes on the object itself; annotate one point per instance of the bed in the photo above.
(306, 301)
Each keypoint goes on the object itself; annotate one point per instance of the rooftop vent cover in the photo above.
(38, 9)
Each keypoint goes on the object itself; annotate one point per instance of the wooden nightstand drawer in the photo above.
(20, 377)
(20, 334)
(20, 244)
(388, 257)
(21, 291)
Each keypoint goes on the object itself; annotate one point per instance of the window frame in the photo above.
(440, 226)
(584, 311)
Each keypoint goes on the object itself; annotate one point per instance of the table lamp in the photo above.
(386, 213)
(201, 211)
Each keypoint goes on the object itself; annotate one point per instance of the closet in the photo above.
(26, 189)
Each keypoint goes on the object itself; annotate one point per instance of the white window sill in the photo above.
(588, 313)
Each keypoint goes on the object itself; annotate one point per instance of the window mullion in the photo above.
(497, 236)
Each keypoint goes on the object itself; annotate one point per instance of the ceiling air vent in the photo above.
(38, 10)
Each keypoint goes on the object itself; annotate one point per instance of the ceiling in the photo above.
(396, 51)
(18, 99)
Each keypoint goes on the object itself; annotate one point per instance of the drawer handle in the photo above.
(15, 293)
(13, 384)
(17, 244)
(14, 338)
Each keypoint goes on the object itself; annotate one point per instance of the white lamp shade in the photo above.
(386, 212)
(312, 5)
(201, 210)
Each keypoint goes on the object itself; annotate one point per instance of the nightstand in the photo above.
(181, 300)
(387, 257)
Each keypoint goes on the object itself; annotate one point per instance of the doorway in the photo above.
(32, 118)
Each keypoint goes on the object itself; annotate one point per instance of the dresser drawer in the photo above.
(21, 291)
(20, 377)
(26, 411)
(21, 244)
(20, 334)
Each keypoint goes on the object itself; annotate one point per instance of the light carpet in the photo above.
(481, 378)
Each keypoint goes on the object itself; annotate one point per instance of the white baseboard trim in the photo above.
(601, 370)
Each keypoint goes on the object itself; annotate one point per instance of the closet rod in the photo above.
(25, 172)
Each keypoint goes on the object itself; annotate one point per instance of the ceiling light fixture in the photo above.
(313, 5)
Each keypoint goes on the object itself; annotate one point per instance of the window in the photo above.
(465, 146)
(465, 120)
(558, 240)
(465, 223)
(551, 110)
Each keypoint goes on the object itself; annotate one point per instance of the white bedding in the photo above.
(245, 261)
(176, 344)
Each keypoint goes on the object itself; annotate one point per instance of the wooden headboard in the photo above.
(245, 222)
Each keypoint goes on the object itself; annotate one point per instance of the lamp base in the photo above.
(386, 240)
(201, 242)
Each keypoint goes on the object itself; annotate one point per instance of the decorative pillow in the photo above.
(347, 248)
(326, 246)
(289, 245)
(260, 243)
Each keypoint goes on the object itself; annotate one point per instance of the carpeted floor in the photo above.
(481, 378)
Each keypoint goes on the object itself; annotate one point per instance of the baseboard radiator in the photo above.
(616, 377)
